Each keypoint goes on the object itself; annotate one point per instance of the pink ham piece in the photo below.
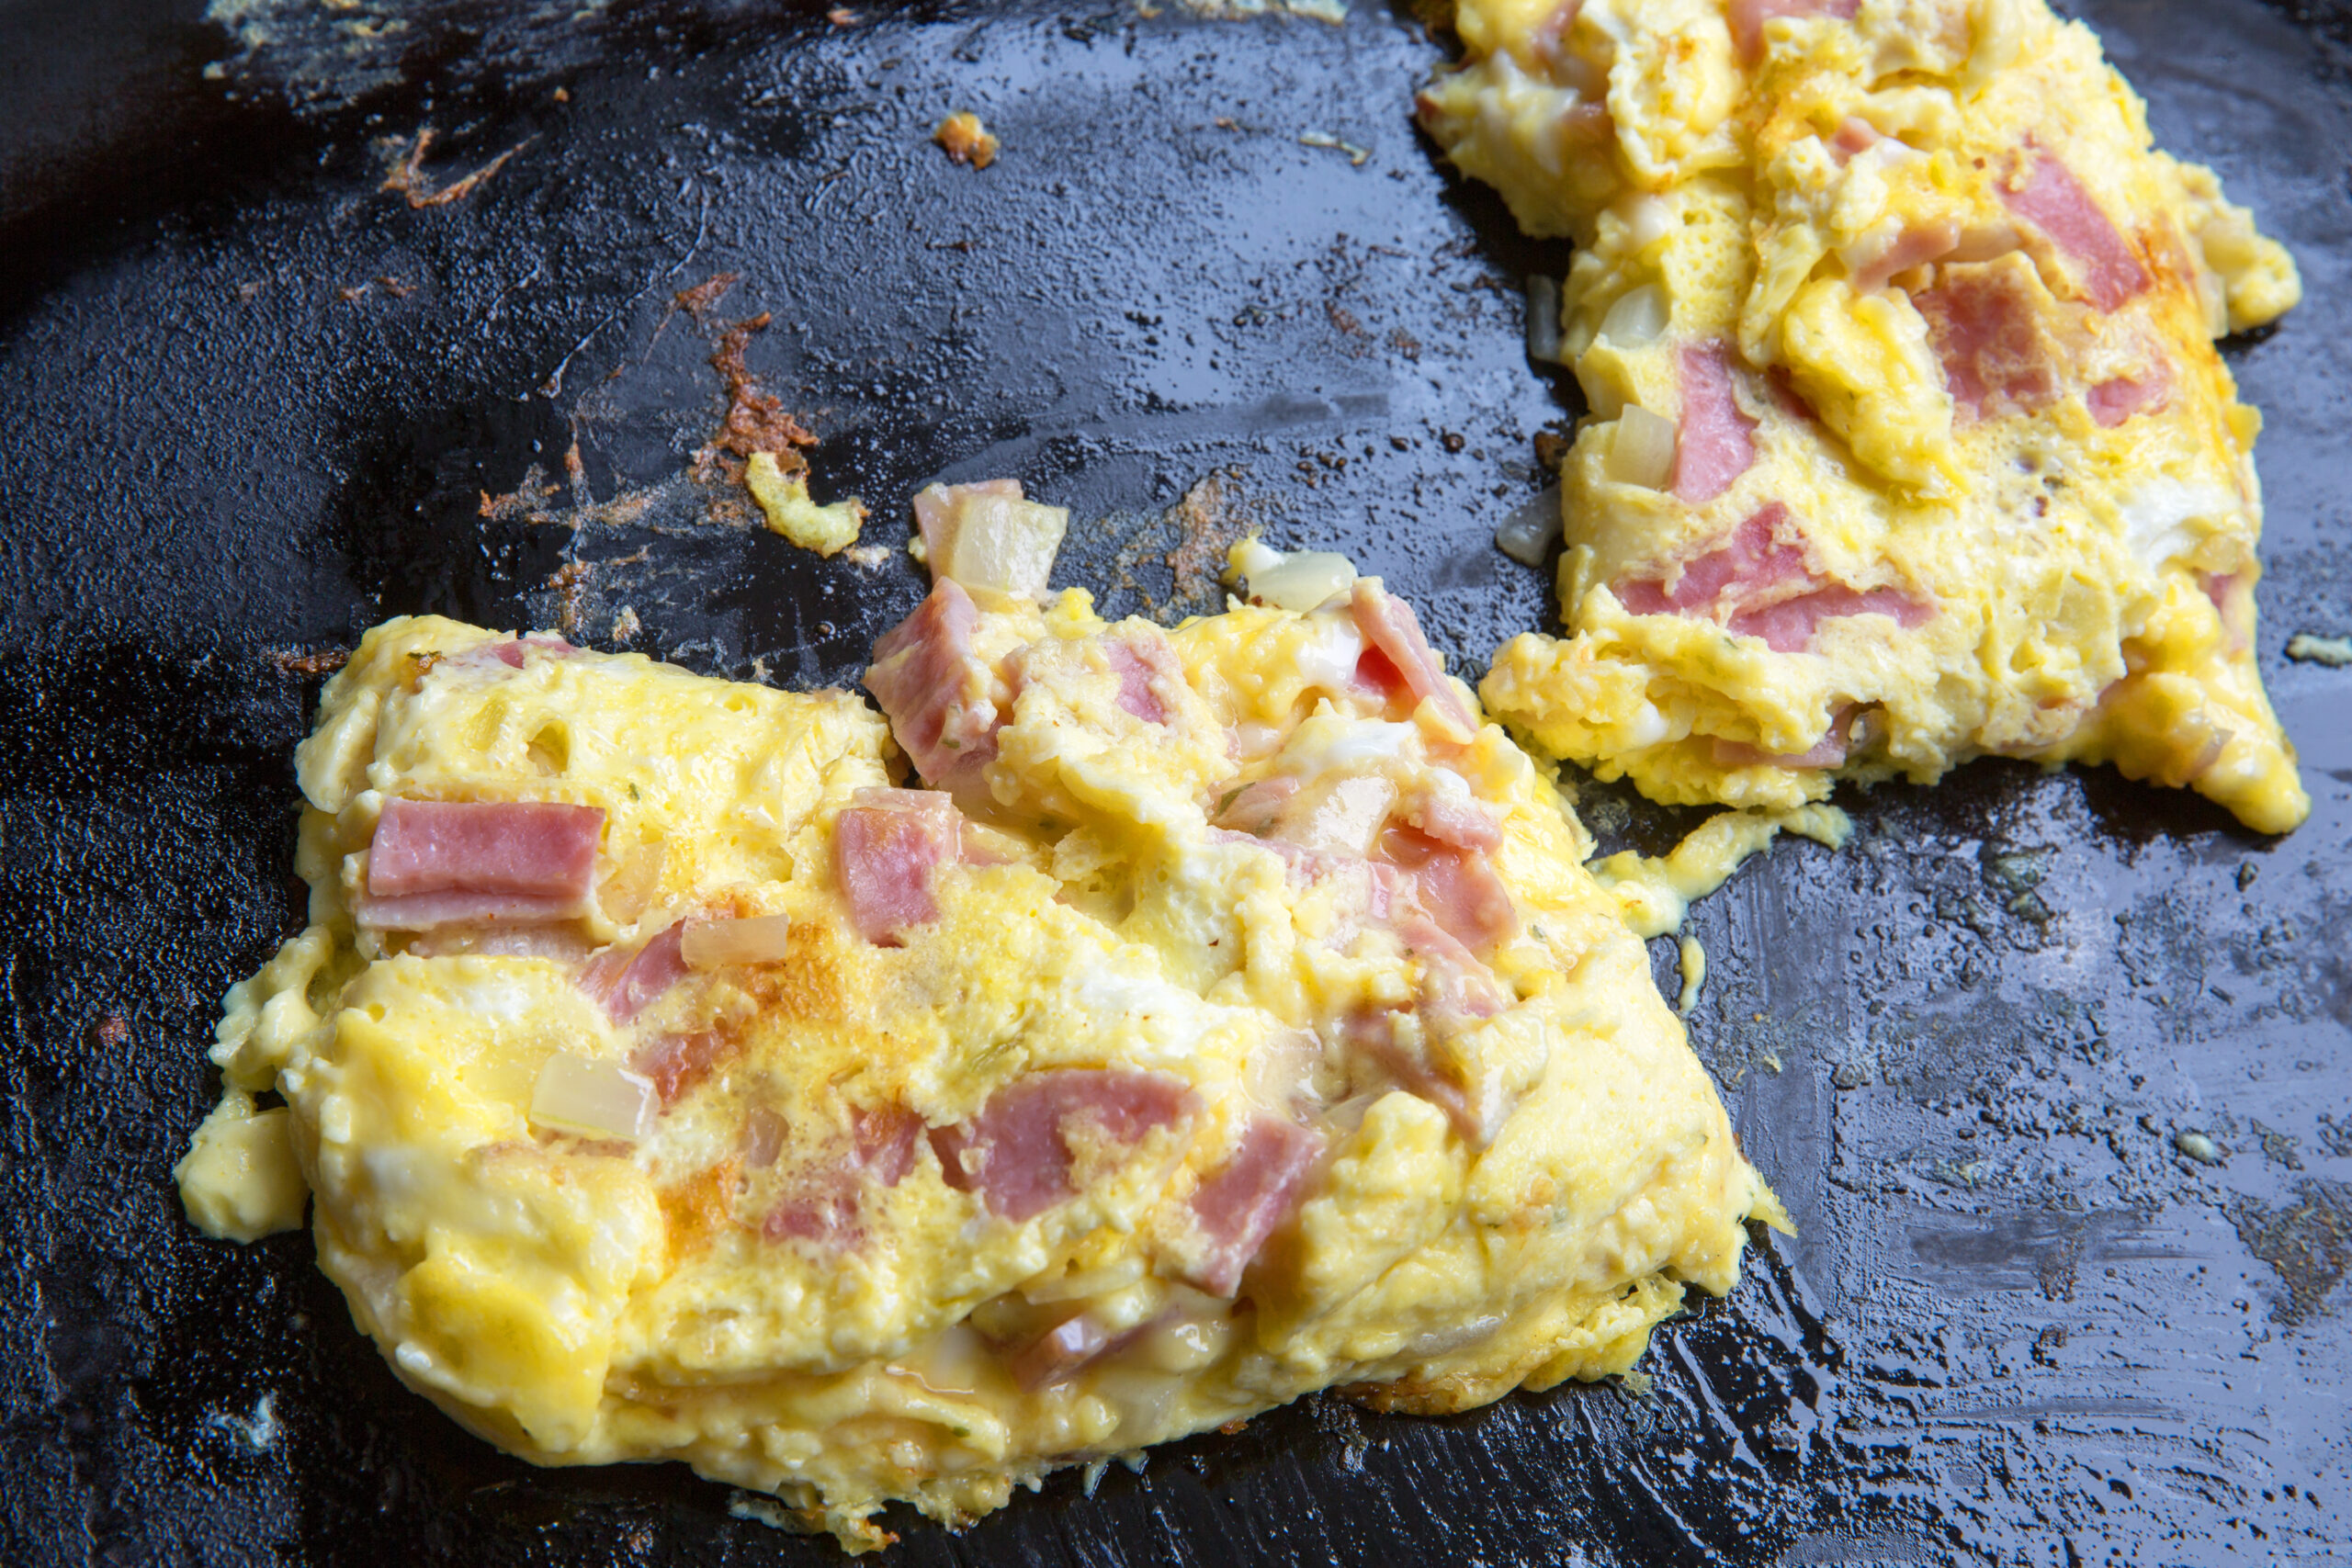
(1457, 989)
(1758, 582)
(2125, 397)
(1854, 135)
(1985, 328)
(884, 1141)
(2053, 201)
(1139, 662)
(823, 1202)
(2233, 597)
(1716, 443)
(627, 982)
(1789, 625)
(935, 691)
(1754, 560)
(511, 652)
(1250, 1196)
(1017, 1153)
(1457, 993)
(1389, 625)
(1829, 751)
(1456, 887)
(1986, 333)
(886, 846)
(1748, 17)
(434, 862)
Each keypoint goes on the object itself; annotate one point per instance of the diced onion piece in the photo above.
(1300, 580)
(594, 1098)
(1543, 319)
(1637, 318)
(1527, 534)
(1647, 220)
(715, 944)
(1004, 544)
(1642, 450)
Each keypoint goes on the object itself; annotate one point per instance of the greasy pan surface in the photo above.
(251, 401)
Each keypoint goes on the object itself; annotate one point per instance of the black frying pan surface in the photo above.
(251, 401)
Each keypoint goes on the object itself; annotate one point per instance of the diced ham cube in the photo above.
(1788, 626)
(2125, 397)
(1984, 324)
(1246, 1198)
(1754, 560)
(445, 863)
(823, 1199)
(1017, 1153)
(1457, 888)
(886, 847)
(628, 981)
(510, 653)
(1457, 993)
(1748, 17)
(1854, 136)
(1716, 443)
(1757, 579)
(935, 691)
(1146, 666)
(677, 1061)
(1389, 627)
(2052, 201)
(884, 1141)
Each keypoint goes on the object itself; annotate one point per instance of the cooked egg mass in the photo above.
(1909, 442)
(1235, 1018)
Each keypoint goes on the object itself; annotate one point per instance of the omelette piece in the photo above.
(1909, 443)
(1236, 1019)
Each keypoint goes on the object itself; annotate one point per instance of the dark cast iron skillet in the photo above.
(251, 401)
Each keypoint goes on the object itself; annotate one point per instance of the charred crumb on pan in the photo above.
(964, 139)
(1189, 540)
(309, 665)
(2308, 1242)
(703, 297)
(571, 585)
(755, 419)
(407, 179)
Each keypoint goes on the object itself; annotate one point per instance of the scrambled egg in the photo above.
(1251, 1027)
(1909, 443)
